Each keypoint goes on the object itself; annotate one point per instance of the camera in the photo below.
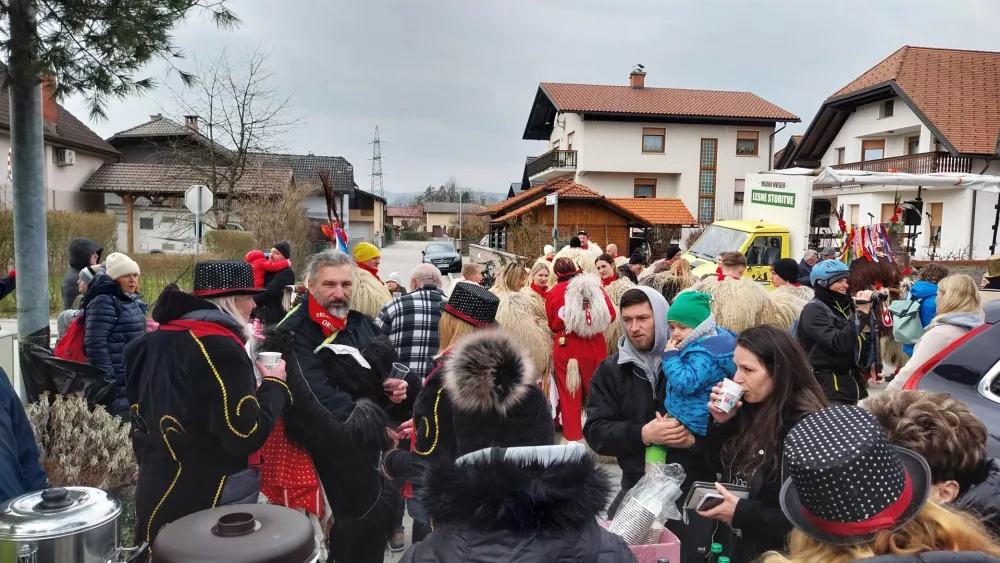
(877, 297)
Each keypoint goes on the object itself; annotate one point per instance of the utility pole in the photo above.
(28, 172)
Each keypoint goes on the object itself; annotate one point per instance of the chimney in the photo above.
(156, 117)
(637, 78)
(50, 111)
(311, 153)
(191, 122)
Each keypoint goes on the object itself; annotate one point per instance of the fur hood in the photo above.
(487, 372)
(529, 497)
(586, 287)
(370, 295)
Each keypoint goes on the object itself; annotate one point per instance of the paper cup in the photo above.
(269, 360)
(732, 392)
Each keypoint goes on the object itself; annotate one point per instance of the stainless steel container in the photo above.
(60, 525)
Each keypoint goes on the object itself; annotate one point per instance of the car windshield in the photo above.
(716, 240)
(439, 248)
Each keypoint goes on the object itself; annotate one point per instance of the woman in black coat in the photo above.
(197, 413)
(745, 444)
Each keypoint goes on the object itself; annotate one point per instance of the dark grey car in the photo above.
(444, 255)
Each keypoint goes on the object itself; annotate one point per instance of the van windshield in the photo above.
(716, 240)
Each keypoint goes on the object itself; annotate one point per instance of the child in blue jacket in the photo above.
(698, 355)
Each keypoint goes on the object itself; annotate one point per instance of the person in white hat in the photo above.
(395, 284)
(549, 253)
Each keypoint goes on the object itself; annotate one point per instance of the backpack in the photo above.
(906, 325)
(72, 345)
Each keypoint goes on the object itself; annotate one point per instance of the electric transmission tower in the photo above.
(376, 177)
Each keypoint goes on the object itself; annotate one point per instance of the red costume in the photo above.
(588, 351)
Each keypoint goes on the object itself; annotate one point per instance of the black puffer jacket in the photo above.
(983, 499)
(80, 250)
(113, 319)
(500, 511)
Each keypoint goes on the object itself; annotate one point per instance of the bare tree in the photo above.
(237, 114)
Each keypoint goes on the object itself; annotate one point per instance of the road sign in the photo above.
(551, 199)
(198, 199)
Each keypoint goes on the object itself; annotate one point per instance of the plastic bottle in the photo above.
(715, 553)
(723, 559)
(656, 454)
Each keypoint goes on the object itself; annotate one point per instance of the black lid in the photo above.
(240, 533)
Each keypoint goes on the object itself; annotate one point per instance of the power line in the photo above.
(377, 186)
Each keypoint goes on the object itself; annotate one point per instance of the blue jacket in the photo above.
(20, 471)
(693, 370)
(926, 293)
(113, 319)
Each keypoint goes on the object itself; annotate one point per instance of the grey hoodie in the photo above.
(651, 362)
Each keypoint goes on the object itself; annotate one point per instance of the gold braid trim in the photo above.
(283, 384)
(225, 395)
(437, 431)
(163, 433)
(218, 492)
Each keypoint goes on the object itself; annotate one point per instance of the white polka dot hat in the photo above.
(218, 278)
(473, 304)
(846, 482)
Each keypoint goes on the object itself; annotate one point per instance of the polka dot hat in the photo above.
(846, 482)
(217, 278)
(473, 304)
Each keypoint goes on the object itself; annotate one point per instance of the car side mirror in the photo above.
(423, 252)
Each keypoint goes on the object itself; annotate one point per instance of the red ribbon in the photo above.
(881, 521)
(329, 323)
(201, 329)
(371, 271)
(564, 277)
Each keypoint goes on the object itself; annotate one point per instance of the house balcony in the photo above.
(551, 165)
(921, 163)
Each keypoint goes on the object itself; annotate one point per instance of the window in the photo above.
(569, 141)
(653, 140)
(169, 246)
(872, 150)
(555, 145)
(854, 214)
(706, 180)
(912, 145)
(763, 251)
(934, 233)
(644, 187)
(167, 219)
(886, 110)
(746, 143)
(840, 155)
(146, 223)
(887, 210)
(738, 191)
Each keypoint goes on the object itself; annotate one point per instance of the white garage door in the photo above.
(361, 231)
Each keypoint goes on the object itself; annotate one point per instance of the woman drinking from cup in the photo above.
(745, 437)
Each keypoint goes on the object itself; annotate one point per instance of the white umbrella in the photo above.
(833, 177)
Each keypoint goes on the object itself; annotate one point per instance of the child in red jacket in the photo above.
(261, 265)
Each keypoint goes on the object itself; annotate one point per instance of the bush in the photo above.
(230, 245)
(283, 218)
(413, 235)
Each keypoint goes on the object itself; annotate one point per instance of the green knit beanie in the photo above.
(690, 308)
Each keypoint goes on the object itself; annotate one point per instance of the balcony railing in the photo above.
(922, 163)
(552, 160)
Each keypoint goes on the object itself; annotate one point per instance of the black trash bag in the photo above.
(45, 373)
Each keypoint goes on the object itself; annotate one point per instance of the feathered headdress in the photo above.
(332, 230)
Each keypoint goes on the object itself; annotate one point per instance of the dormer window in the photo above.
(887, 109)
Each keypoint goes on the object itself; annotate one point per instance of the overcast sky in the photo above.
(449, 83)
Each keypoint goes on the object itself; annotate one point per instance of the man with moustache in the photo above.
(626, 411)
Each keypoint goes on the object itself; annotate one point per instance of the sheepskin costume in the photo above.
(739, 304)
(615, 291)
(522, 316)
(585, 259)
(369, 295)
(621, 261)
(649, 270)
(666, 283)
(787, 302)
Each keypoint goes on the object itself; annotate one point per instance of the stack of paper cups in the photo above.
(633, 521)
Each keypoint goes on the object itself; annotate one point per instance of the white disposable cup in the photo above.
(732, 392)
(269, 360)
(632, 522)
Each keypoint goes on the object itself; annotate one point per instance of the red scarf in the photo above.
(539, 290)
(608, 281)
(329, 323)
(550, 258)
(371, 271)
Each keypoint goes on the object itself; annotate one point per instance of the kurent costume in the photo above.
(196, 415)
(739, 303)
(370, 292)
(585, 259)
(615, 290)
(505, 493)
(520, 317)
(578, 311)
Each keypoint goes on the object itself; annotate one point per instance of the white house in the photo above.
(920, 110)
(633, 141)
(72, 154)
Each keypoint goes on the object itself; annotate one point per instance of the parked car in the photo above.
(969, 370)
(444, 255)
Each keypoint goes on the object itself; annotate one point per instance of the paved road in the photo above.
(402, 257)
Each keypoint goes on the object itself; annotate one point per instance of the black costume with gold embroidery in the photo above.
(196, 416)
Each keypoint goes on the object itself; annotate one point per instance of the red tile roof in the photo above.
(416, 211)
(564, 187)
(958, 91)
(656, 211)
(662, 101)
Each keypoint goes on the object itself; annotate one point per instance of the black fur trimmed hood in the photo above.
(517, 496)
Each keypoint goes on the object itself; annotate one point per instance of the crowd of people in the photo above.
(486, 413)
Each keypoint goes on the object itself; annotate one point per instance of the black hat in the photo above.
(847, 483)
(490, 381)
(473, 304)
(674, 250)
(787, 269)
(637, 259)
(218, 278)
(575, 242)
(284, 248)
